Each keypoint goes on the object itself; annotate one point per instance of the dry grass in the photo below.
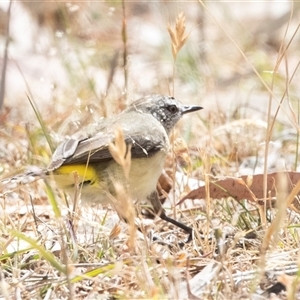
(241, 67)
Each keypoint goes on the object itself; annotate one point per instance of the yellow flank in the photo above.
(65, 175)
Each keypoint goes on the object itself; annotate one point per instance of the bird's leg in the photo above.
(158, 209)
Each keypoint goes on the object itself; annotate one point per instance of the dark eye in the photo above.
(172, 109)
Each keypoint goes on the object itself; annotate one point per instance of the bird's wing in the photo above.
(95, 148)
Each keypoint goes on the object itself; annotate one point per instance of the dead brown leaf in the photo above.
(245, 187)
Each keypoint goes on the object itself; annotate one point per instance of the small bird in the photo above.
(145, 126)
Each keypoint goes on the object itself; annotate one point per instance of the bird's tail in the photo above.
(11, 183)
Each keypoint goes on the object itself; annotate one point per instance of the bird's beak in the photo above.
(190, 108)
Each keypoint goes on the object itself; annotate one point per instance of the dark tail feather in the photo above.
(9, 184)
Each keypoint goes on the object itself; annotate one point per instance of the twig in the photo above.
(3, 73)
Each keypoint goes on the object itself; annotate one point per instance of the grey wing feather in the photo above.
(62, 152)
(143, 132)
(95, 149)
(79, 150)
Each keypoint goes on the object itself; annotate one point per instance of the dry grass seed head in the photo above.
(120, 153)
(124, 206)
(177, 34)
(115, 232)
(123, 203)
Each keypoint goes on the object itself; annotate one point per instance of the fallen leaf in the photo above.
(245, 187)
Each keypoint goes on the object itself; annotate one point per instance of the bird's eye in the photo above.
(172, 109)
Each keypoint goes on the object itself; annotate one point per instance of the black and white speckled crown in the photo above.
(166, 109)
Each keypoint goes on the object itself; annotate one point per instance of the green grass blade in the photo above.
(48, 256)
(42, 123)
